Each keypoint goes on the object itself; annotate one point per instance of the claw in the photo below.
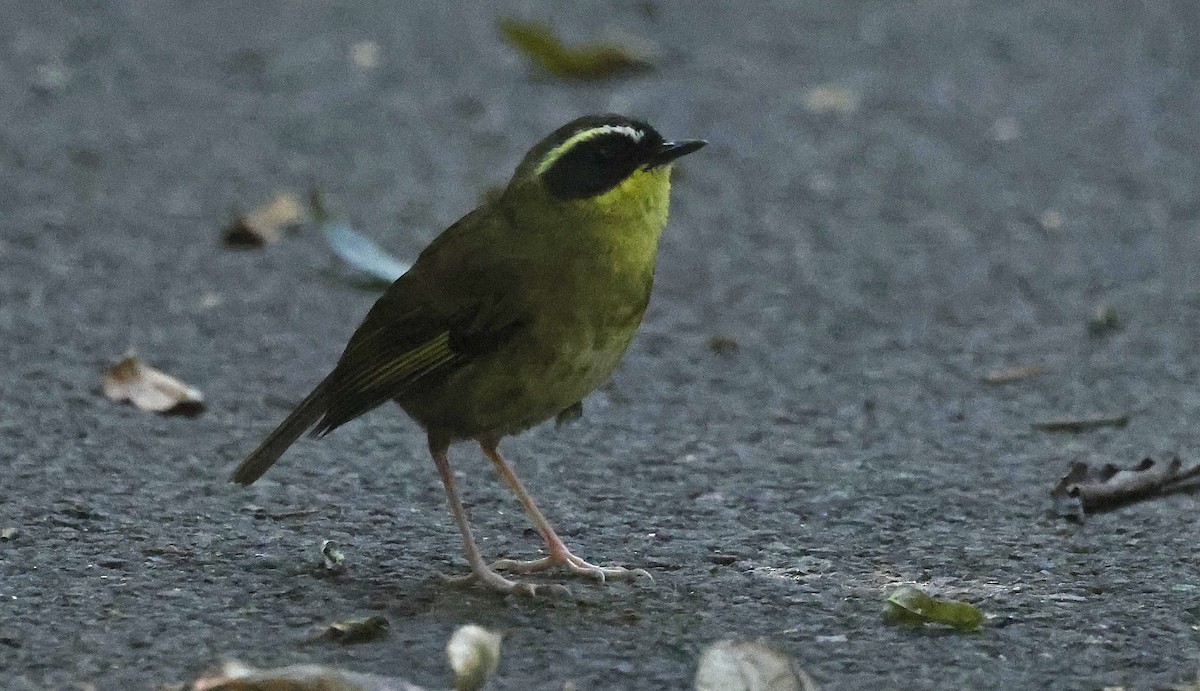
(573, 564)
(569, 561)
(492, 580)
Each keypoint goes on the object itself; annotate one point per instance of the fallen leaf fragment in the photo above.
(473, 652)
(1105, 320)
(1187, 686)
(358, 630)
(332, 555)
(909, 605)
(1082, 424)
(830, 98)
(365, 55)
(149, 389)
(1006, 129)
(1051, 220)
(376, 268)
(1086, 489)
(267, 223)
(723, 345)
(1012, 374)
(362, 255)
(748, 666)
(586, 61)
(235, 676)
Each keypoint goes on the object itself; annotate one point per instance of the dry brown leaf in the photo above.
(749, 666)
(1012, 374)
(586, 61)
(149, 389)
(723, 345)
(1086, 489)
(267, 223)
(358, 630)
(235, 676)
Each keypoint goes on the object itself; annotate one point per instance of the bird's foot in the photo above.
(572, 563)
(487, 576)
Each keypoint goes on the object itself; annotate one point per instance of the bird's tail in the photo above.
(301, 419)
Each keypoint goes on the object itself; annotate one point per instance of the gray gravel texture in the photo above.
(873, 265)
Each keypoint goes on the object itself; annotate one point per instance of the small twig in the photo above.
(1083, 425)
(1012, 374)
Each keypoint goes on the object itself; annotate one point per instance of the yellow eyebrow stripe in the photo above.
(582, 136)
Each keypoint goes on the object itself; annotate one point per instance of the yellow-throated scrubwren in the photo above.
(511, 316)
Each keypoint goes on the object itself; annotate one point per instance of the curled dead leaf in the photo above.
(583, 62)
(149, 389)
(473, 652)
(1086, 489)
(267, 223)
(332, 555)
(748, 666)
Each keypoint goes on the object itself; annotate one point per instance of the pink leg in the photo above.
(559, 554)
(479, 569)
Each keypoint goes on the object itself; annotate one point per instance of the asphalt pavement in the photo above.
(898, 199)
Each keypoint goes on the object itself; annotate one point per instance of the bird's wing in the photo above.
(448, 310)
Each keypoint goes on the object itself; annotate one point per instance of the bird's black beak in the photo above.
(669, 151)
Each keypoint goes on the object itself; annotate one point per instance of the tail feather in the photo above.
(301, 419)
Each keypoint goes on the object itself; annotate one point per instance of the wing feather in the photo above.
(450, 309)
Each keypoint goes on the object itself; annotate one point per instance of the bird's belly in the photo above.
(532, 378)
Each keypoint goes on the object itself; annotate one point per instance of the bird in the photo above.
(511, 316)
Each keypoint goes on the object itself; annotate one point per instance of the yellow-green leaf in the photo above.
(585, 61)
(908, 605)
